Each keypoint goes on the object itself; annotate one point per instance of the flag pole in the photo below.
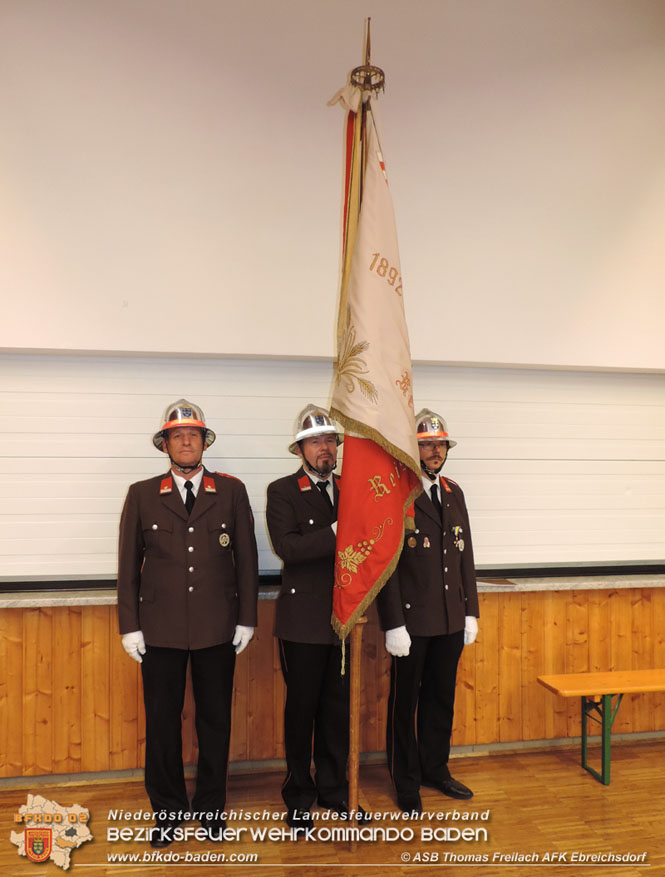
(371, 79)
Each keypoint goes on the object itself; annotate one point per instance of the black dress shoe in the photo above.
(161, 835)
(214, 828)
(450, 787)
(410, 803)
(342, 807)
(297, 818)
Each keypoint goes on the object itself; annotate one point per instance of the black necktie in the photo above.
(323, 487)
(435, 498)
(189, 501)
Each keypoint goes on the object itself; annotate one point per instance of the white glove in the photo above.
(242, 637)
(470, 629)
(398, 641)
(134, 644)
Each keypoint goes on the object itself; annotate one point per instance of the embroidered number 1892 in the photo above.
(383, 268)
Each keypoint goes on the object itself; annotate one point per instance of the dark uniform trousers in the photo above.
(431, 592)
(299, 522)
(317, 700)
(424, 679)
(164, 676)
(186, 580)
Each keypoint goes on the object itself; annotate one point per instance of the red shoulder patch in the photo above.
(226, 475)
(209, 484)
(304, 483)
(445, 484)
(166, 486)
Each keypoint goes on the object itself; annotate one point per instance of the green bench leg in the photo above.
(604, 713)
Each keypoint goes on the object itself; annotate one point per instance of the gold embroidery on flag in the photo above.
(378, 487)
(404, 383)
(352, 556)
(351, 366)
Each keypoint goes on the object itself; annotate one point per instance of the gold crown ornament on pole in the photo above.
(368, 77)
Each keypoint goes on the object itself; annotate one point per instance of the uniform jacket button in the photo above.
(191, 588)
(407, 605)
(190, 529)
(154, 526)
(293, 590)
(191, 548)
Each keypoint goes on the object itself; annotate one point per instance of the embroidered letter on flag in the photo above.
(372, 392)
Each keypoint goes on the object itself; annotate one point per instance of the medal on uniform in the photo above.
(457, 535)
(426, 542)
(225, 540)
(411, 541)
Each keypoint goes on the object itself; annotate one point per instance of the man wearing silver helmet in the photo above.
(429, 610)
(187, 593)
(302, 519)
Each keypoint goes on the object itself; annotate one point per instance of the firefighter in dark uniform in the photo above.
(429, 610)
(301, 515)
(187, 593)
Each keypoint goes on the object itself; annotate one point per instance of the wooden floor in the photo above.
(537, 802)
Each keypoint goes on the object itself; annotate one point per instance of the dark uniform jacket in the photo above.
(187, 581)
(299, 519)
(434, 585)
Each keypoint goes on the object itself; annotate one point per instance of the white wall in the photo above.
(164, 162)
(557, 467)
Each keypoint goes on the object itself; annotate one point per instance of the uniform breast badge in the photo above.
(411, 541)
(457, 538)
(426, 543)
(225, 540)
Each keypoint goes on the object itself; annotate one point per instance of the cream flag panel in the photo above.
(373, 379)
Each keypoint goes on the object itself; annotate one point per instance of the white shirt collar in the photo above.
(180, 482)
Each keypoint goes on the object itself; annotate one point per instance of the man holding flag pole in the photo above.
(372, 393)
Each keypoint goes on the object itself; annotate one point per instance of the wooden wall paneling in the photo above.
(372, 721)
(486, 652)
(11, 692)
(534, 705)
(621, 627)
(509, 660)
(554, 640)
(95, 688)
(658, 634)
(124, 720)
(37, 692)
(464, 720)
(600, 646)
(67, 689)
(261, 718)
(577, 649)
(642, 644)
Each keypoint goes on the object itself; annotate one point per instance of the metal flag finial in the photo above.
(367, 77)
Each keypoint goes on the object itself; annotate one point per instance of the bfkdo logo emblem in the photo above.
(38, 843)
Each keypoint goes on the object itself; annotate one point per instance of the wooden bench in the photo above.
(596, 691)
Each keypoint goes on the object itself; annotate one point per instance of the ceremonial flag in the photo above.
(372, 391)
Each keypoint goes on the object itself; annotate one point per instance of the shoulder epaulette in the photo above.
(226, 475)
(445, 484)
